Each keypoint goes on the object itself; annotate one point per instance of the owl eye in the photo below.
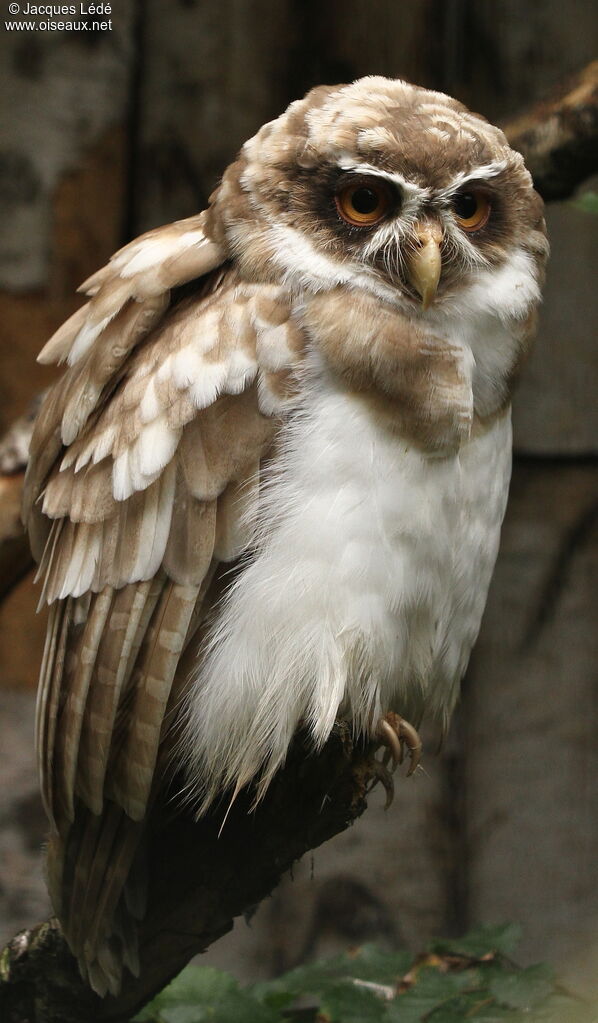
(364, 202)
(472, 209)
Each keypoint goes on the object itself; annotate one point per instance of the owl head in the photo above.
(390, 188)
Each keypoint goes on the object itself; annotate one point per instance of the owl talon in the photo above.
(387, 757)
(391, 739)
(413, 743)
(396, 734)
(383, 775)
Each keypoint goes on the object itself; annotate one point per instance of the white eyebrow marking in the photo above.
(483, 173)
(413, 191)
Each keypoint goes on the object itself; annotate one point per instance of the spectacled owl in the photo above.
(268, 489)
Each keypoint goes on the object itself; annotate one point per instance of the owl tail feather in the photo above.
(97, 881)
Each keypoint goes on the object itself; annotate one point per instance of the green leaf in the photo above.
(561, 1008)
(196, 984)
(523, 989)
(309, 979)
(184, 1014)
(489, 990)
(587, 203)
(368, 963)
(431, 990)
(503, 940)
(378, 965)
(276, 998)
(491, 1014)
(201, 994)
(346, 1002)
(241, 1007)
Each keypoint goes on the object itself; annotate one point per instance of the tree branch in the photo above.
(559, 136)
(199, 880)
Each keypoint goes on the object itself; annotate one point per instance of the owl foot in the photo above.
(395, 733)
(384, 776)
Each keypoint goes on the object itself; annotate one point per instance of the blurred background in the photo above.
(109, 133)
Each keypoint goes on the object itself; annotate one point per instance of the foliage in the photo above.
(588, 202)
(470, 978)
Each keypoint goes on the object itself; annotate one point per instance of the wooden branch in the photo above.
(200, 879)
(559, 136)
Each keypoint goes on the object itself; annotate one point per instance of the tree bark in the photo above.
(559, 136)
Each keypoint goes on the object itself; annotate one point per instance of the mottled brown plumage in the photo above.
(262, 348)
(136, 568)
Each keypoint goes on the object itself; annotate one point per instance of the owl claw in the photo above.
(383, 775)
(396, 734)
(390, 738)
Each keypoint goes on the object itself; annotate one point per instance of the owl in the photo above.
(268, 489)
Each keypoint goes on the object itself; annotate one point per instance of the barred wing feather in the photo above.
(144, 476)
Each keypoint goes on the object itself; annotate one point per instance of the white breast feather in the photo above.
(366, 592)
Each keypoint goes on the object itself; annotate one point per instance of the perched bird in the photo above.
(268, 489)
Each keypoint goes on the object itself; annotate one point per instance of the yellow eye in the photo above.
(472, 209)
(364, 202)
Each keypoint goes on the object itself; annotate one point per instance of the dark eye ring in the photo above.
(364, 201)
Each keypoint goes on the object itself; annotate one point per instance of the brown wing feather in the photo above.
(144, 473)
(190, 546)
(131, 609)
(137, 740)
(83, 652)
(49, 697)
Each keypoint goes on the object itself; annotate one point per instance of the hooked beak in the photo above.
(424, 263)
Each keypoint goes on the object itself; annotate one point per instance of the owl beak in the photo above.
(425, 262)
